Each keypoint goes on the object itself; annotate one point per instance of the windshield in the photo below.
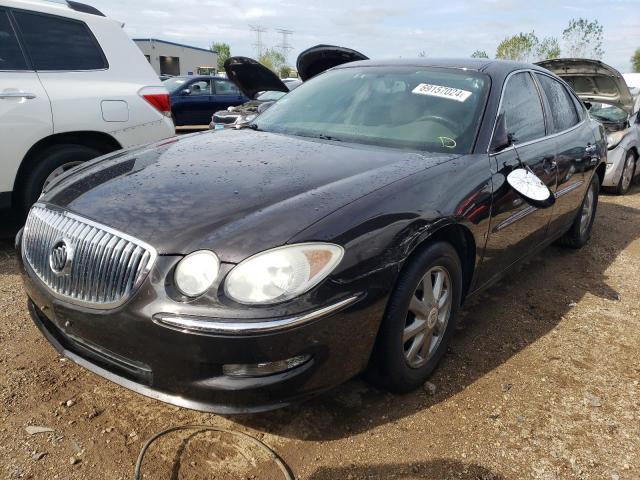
(269, 95)
(607, 113)
(174, 84)
(418, 108)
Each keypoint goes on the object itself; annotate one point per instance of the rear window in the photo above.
(55, 43)
(11, 57)
(563, 110)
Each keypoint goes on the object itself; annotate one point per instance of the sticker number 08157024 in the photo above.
(442, 92)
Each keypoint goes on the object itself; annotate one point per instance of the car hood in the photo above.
(316, 60)
(592, 80)
(236, 192)
(251, 76)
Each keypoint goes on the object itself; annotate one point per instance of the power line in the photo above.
(259, 45)
(285, 47)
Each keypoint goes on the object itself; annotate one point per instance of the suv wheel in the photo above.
(49, 164)
(419, 320)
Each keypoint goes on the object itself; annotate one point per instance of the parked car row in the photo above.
(244, 269)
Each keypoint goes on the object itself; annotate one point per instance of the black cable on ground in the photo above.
(137, 475)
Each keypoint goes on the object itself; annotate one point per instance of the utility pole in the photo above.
(258, 30)
(285, 46)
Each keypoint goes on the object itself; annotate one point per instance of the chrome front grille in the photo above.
(84, 262)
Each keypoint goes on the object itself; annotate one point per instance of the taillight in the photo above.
(158, 98)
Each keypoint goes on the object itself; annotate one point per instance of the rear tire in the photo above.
(415, 333)
(48, 161)
(628, 171)
(580, 231)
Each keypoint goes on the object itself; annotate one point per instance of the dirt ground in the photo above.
(541, 382)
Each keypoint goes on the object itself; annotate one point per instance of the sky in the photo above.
(391, 29)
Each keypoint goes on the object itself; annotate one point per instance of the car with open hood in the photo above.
(242, 270)
(264, 87)
(611, 102)
(256, 82)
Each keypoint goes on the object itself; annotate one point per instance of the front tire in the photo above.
(419, 320)
(628, 171)
(580, 231)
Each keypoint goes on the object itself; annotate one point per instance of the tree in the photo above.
(272, 59)
(548, 48)
(285, 71)
(520, 47)
(479, 54)
(583, 38)
(224, 52)
(635, 61)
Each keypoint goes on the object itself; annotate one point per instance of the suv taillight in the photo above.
(158, 97)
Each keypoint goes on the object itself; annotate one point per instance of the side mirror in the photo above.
(501, 138)
(588, 105)
(531, 188)
(186, 91)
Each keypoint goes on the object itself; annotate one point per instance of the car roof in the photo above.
(494, 68)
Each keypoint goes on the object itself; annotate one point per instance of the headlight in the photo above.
(282, 273)
(196, 272)
(613, 139)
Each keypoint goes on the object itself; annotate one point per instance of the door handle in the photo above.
(590, 149)
(28, 96)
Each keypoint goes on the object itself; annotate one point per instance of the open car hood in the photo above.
(317, 59)
(592, 80)
(251, 76)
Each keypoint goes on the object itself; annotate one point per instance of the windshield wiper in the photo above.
(322, 136)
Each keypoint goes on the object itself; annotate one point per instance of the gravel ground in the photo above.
(541, 382)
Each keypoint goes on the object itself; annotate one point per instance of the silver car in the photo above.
(611, 102)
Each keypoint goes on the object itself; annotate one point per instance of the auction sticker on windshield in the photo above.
(442, 92)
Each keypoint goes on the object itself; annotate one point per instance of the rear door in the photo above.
(225, 94)
(25, 110)
(517, 228)
(574, 142)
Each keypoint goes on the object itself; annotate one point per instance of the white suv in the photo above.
(73, 86)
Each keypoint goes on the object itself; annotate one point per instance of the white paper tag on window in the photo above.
(442, 92)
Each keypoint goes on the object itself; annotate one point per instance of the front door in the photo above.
(225, 95)
(194, 105)
(517, 228)
(25, 111)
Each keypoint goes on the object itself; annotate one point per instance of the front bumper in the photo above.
(180, 365)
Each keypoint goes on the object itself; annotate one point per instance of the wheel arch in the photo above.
(100, 140)
(461, 239)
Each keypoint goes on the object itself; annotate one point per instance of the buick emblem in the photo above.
(61, 257)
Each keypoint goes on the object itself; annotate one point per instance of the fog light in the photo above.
(263, 369)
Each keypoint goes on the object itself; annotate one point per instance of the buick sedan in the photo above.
(242, 270)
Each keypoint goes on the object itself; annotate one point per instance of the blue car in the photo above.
(194, 99)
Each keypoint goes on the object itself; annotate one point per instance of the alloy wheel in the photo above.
(587, 211)
(428, 315)
(627, 173)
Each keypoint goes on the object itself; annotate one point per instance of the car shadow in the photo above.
(429, 470)
(494, 326)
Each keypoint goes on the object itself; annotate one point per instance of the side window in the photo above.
(222, 87)
(522, 108)
(55, 43)
(563, 110)
(11, 57)
(201, 87)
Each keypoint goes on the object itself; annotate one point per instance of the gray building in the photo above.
(169, 58)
